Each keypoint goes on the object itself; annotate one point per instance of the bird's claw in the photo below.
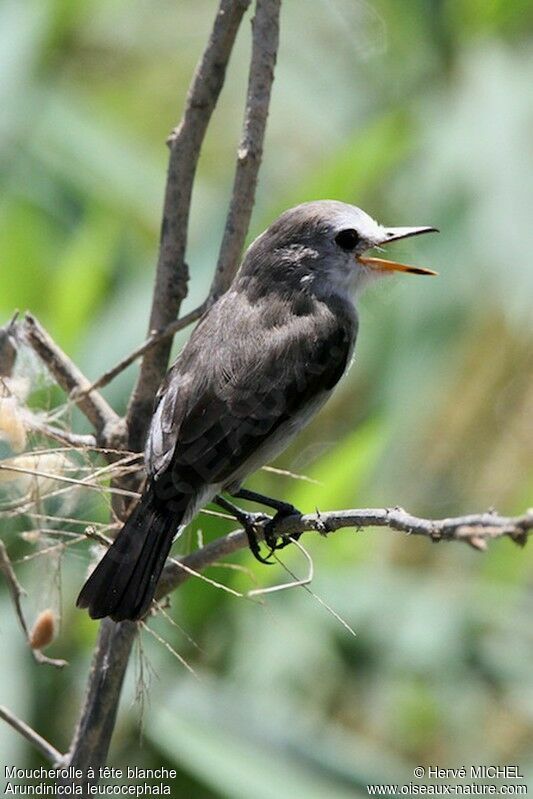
(271, 538)
(250, 522)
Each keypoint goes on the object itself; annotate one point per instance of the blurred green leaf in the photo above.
(343, 471)
(235, 766)
(29, 245)
(353, 169)
(83, 275)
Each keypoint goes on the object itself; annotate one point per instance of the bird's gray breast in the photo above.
(278, 441)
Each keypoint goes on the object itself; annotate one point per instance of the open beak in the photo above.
(393, 234)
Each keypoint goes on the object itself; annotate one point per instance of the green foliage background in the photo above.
(419, 111)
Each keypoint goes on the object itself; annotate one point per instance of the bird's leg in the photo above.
(248, 521)
(283, 509)
(277, 504)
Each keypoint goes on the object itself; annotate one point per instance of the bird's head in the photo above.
(323, 245)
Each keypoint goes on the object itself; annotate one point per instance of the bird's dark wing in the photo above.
(247, 372)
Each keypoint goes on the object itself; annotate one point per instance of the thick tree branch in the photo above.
(95, 727)
(172, 273)
(476, 530)
(33, 737)
(250, 152)
(106, 422)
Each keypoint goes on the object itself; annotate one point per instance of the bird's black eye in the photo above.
(348, 239)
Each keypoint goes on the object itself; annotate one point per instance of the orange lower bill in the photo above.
(393, 266)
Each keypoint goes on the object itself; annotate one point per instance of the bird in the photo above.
(259, 365)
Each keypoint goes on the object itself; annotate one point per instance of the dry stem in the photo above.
(172, 273)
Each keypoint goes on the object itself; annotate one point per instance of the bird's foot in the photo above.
(250, 522)
(271, 539)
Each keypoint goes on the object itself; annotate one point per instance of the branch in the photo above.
(261, 76)
(476, 530)
(74, 440)
(101, 415)
(33, 737)
(15, 588)
(60, 478)
(95, 726)
(17, 592)
(470, 529)
(93, 732)
(8, 349)
(156, 337)
(172, 273)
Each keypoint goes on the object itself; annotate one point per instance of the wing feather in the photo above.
(237, 384)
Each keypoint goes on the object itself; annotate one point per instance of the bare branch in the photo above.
(172, 272)
(95, 727)
(33, 737)
(476, 530)
(101, 415)
(15, 588)
(8, 349)
(295, 582)
(250, 152)
(74, 440)
(485, 526)
(17, 592)
(154, 338)
(59, 478)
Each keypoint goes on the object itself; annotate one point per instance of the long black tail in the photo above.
(123, 584)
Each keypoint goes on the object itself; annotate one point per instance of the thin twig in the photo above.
(161, 610)
(296, 582)
(330, 610)
(15, 588)
(250, 152)
(76, 440)
(292, 475)
(470, 529)
(172, 273)
(17, 592)
(21, 506)
(46, 749)
(84, 482)
(67, 519)
(105, 421)
(180, 564)
(60, 547)
(170, 648)
(156, 337)
(125, 454)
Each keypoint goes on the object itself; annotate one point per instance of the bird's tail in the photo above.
(123, 584)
